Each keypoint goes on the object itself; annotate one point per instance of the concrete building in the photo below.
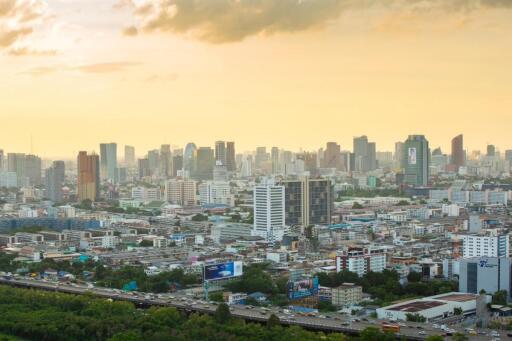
(346, 295)
(230, 231)
(269, 211)
(204, 163)
(129, 156)
(212, 192)
(108, 161)
(361, 260)
(181, 192)
(488, 245)
(88, 176)
(230, 156)
(458, 159)
(54, 180)
(491, 274)
(146, 194)
(416, 159)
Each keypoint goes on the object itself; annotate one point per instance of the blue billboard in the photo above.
(302, 288)
(222, 270)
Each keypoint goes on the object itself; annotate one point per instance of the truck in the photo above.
(390, 327)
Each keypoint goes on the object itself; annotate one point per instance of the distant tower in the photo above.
(88, 176)
(458, 158)
(416, 160)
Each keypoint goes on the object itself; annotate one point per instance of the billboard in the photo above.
(223, 270)
(302, 288)
(411, 159)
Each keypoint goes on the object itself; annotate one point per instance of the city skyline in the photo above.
(301, 74)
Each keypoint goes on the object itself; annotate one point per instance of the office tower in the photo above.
(261, 157)
(486, 245)
(332, 156)
(154, 161)
(216, 193)
(129, 156)
(308, 201)
(398, 157)
(204, 163)
(246, 168)
(165, 161)
(269, 211)
(220, 152)
(230, 156)
(54, 180)
(365, 154)
(457, 159)
(108, 158)
(88, 176)
(189, 158)
(274, 156)
(220, 172)
(508, 155)
(181, 192)
(33, 170)
(310, 162)
(177, 164)
(416, 156)
(491, 274)
(491, 150)
(2, 160)
(121, 175)
(16, 164)
(143, 168)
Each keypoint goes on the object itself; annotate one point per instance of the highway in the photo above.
(329, 322)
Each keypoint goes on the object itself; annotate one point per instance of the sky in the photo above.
(290, 73)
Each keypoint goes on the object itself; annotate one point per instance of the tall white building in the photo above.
(486, 245)
(269, 211)
(181, 192)
(216, 193)
(146, 194)
(361, 261)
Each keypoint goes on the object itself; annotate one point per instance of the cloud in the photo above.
(18, 19)
(162, 78)
(130, 31)
(222, 21)
(26, 51)
(97, 68)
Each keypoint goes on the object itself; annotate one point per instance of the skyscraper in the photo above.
(54, 179)
(274, 156)
(398, 157)
(269, 211)
(108, 157)
(165, 161)
(88, 176)
(261, 157)
(230, 156)
(220, 152)
(16, 164)
(491, 150)
(416, 160)
(189, 158)
(143, 165)
(308, 201)
(204, 163)
(33, 170)
(332, 156)
(154, 161)
(457, 159)
(129, 156)
(365, 154)
(2, 160)
(177, 164)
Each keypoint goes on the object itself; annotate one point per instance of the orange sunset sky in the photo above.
(291, 73)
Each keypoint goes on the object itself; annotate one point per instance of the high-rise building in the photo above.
(16, 164)
(416, 160)
(398, 157)
(181, 192)
(189, 158)
(491, 150)
(508, 155)
(230, 156)
(310, 162)
(154, 161)
(2, 160)
(144, 170)
(491, 274)
(261, 157)
(220, 152)
(496, 245)
(88, 176)
(332, 156)
(308, 201)
(361, 260)
(129, 156)
(54, 180)
(220, 172)
(204, 163)
(165, 161)
(218, 193)
(458, 158)
(365, 154)
(269, 211)
(108, 158)
(177, 164)
(274, 156)
(33, 170)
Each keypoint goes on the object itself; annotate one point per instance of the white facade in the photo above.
(181, 192)
(361, 261)
(485, 245)
(269, 212)
(216, 193)
(145, 194)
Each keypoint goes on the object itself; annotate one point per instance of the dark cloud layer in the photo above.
(220, 21)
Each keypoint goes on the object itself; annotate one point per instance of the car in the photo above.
(435, 326)
(364, 319)
(422, 332)
(419, 327)
(495, 333)
(345, 323)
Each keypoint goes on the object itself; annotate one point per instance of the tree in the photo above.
(415, 317)
(199, 217)
(414, 276)
(434, 338)
(357, 206)
(222, 314)
(457, 311)
(500, 297)
(273, 321)
(146, 243)
(216, 297)
(403, 203)
(459, 337)
(374, 333)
